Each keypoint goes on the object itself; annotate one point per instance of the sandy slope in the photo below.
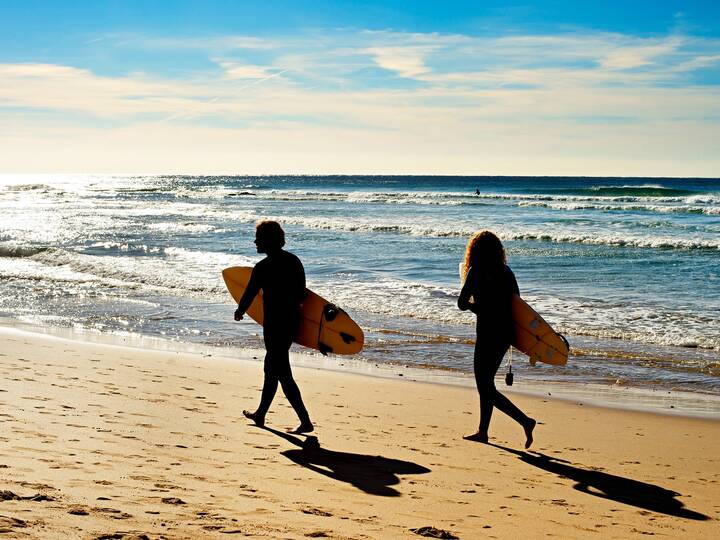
(100, 440)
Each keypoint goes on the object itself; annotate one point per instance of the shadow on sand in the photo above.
(608, 486)
(371, 474)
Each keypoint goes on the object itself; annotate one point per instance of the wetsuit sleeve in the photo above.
(466, 292)
(301, 283)
(251, 291)
(514, 284)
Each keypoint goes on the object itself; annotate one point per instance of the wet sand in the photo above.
(100, 441)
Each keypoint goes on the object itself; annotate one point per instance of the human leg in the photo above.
(270, 384)
(487, 362)
(277, 364)
(292, 393)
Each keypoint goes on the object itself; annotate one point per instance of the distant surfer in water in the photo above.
(281, 277)
(490, 283)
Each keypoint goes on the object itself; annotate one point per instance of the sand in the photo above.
(100, 441)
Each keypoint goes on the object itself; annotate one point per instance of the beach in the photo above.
(614, 264)
(410, 210)
(103, 441)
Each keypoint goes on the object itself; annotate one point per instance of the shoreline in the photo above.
(628, 398)
(111, 440)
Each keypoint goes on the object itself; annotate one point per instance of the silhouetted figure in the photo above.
(477, 191)
(281, 277)
(491, 284)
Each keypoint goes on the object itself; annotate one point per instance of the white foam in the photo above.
(182, 227)
(154, 275)
(15, 250)
(559, 233)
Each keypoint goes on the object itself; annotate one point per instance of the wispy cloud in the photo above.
(405, 61)
(245, 71)
(628, 57)
(211, 43)
(380, 90)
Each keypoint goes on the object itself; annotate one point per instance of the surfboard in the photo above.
(323, 326)
(535, 337)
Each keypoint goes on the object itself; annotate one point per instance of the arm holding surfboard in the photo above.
(468, 298)
(252, 290)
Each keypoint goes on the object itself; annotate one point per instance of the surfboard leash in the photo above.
(509, 378)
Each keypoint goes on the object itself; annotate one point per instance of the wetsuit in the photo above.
(492, 294)
(281, 277)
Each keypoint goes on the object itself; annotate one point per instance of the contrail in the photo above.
(199, 105)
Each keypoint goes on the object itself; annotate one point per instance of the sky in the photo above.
(553, 87)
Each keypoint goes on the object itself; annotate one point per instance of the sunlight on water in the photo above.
(615, 264)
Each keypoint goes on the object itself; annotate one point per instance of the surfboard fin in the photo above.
(324, 349)
(565, 341)
(330, 311)
(347, 338)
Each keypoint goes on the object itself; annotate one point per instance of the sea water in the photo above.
(628, 269)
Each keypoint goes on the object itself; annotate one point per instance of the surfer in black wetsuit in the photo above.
(491, 284)
(281, 277)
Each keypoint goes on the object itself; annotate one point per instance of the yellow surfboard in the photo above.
(535, 337)
(324, 326)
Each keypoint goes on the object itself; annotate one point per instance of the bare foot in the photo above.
(255, 417)
(529, 432)
(304, 427)
(477, 437)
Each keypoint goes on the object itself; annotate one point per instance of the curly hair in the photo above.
(484, 250)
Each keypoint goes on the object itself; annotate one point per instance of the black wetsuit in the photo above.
(492, 293)
(281, 277)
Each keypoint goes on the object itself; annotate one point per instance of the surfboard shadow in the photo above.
(609, 486)
(371, 474)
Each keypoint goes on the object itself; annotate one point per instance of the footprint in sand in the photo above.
(9, 524)
(315, 512)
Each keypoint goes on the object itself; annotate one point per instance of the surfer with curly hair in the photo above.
(487, 291)
(281, 278)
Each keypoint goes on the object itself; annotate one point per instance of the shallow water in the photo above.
(627, 269)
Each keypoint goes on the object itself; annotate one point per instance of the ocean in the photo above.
(628, 269)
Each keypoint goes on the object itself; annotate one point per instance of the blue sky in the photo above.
(554, 87)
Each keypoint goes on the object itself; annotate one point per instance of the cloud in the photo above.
(482, 102)
(406, 61)
(213, 44)
(629, 57)
(699, 62)
(240, 71)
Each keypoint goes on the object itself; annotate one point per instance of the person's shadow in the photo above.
(371, 474)
(609, 486)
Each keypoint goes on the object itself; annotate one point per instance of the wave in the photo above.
(29, 187)
(646, 190)
(551, 235)
(430, 306)
(152, 274)
(19, 251)
(190, 226)
(419, 306)
(650, 208)
(708, 204)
